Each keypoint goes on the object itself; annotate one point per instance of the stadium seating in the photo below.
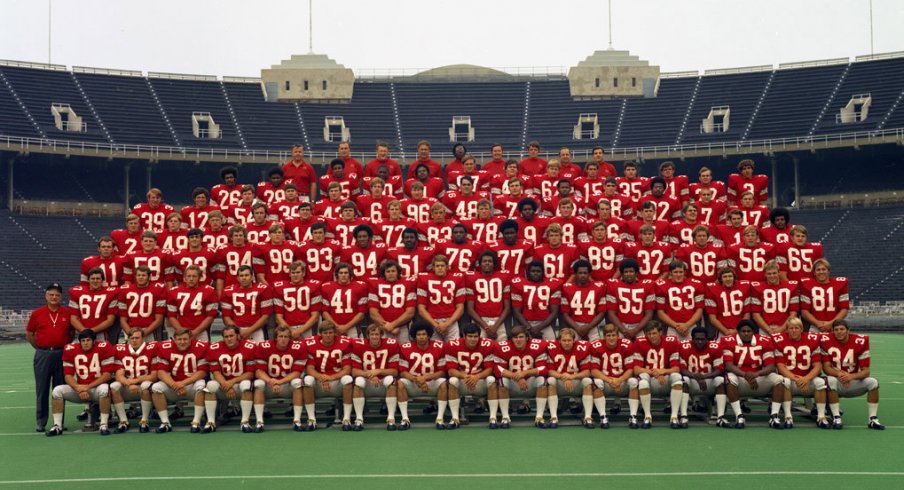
(13, 118)
(877, 78)
(740, 92)
(552, 115)
(265, 126)
(657, 122)
(181, 98)
(369, 117)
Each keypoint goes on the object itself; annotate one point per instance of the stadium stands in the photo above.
(740, 92)
(181, 98)
(552, 115)
(657, 122)
(265, 126)
(368, 117)
(876, 78)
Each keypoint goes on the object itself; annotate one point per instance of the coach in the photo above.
(48, 331)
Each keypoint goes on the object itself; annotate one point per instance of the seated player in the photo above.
(774, 302)
(297, 302)
(280, 365)
(657, 368)
(438, 227)
(258, 229)
(155, 259)
(481, 178)
(732, 231)
(679, 301)
(583, 303)
(521, 364)
(823, 299)
(181, 365)
(299, 229)
(392, 184)
(344, 301)
(342, 229)
(192, 305)
(620, 206)
(94, 307)
(564, 190)
(630, 302)
(87, 368)
(499, 183)
(631, 229)
(569, 362)
(330, 206)
(247, 305)
(464, 203)
(591, 185)
(506, 204)
(489, 301)
(328, 373)
(433, 186)
(240, 213)
(441, 296)
(392, 300)
(375, 367)
(799, 361)
(701, 368)
(681, 231)
(846, 361)
(197, 254)
(749, 361)
(422, 370)
(349, 184)
(469, 367)
(232, 363)
(280, 211)
(613, 373)
(418, 206)
(545, 185)
(536, 302)
(272, 189)
(653, 256)
(134, 377)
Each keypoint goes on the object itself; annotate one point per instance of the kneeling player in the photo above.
(422, 370)
(329, 369)
(846, 361)
(749, 369)
(701, 368)
(232, 363)
(799, 361)
(613, 373)
(87, 368)
(569, 374)
(375, 367)
(134, 377)
(657, 367)
(469, 364)
(182, 370)
(280, 364)
(521, 365)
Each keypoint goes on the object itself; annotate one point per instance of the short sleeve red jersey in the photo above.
(195, 217)
(229, 258)
(499, 185)
(849, 356)
(343, 231)
(412, 262)
(654, 259)
(532, 356)
(506, 205)
(797, 262)
(88, 366)
(774, 235)
(604, 256)
(462, 256)
(483, 230)
(328, 208)
(300, 229)
(712, 213)
(587, 187)
(718, 187)
(550, 204)
(418, 209)
(800, 355)
(205, 259)
(774, 302)
(139, 306)
(182, 364)
(729, 305)
(171, 241)
(667, 208)
(136, 363)
(661, 356)
(268, 193)
(532, 166)
(630, 301)
(280, 363)
(158, 261)
(297, 302)
(469, 361)
(258, 233)
(329, 359)
(727, 235)
(245, 306)
(434, 187)
(462, 206)
(488, 291)
(441, 295)
(214, 239)
(748, 357)
(494, 167)
(431, 232)
(681, 232)
(350, 184)
(370, 170)
(93, 307)
(533, 230)
(392, 299)
(633, 188)
(320, 258)
(757, 184)
(702, 263)
(112, 267)
(225, 196)
(152, 219)
(677, 188)
(755, 215)
(557, 261)
(344, 302)
(374, 209)
(392, 186)
(191, 306)
(824, 301)
(701, 362)
(513, 258)
(535, 298)
(367, 357)
(631, 229)
(680, 301)
(390, 232)
(232, 363)
(574, 228)
(582, 302)
(748, 262)
(612, 361)
(283, 210)
(421, 361)
(239, 214)
(365, 262)
(571, 361)
(619, 206)
(126, 242)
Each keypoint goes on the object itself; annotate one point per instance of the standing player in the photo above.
(273, 189)
(746, 181)
(375, 367)
(438, 227)
(631, 229)
(846, 361)
(247, 306)
(749, 371)
(488, 300)
(823, 299)
(94, 307)
(374, 205)
(630, 302)
(557, 257)
(412, 257)
(134, 376)
(348, 182)
(297, 302)
(441, 296)
(258, 228)
(461, 251)
(521, 364)
(799, 361)
(712, 211)
(228, 258)
(328, 373)
(773, 302)
(392, 300)
(320, 254)
(469, 366)
(152, 213)
(531, 226)
(232, 363)
(679, 301)
(87, 368)
(342, 229)
(364, 255)
(344, 301)
(703, 257)
(422, 370)
(127, 239)
(752, 214)
(569, 374)
(174, 237)
(657, 366)
(271, 259)
(196, 254)
(676, 185)
(583, 302)
(778, 229)
(229, 193)
(195, 216)
(653, 256)
(280, 365)
(464, 203)
(155, 259)
(705, 181)
(329, 206)
(390, 229)
(631, 184)
(192, 305)
(181, 365)
(107, 261)
(536, 302)
(667, 207)
(749, 257)
(142, 304)
(727, 302)
(514, 252)
(604, 253)
(681, 230)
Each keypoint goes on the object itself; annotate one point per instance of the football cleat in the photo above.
(84, 415)
(789, 423)
(632, 422)
(359, 426)
(56, 430)
(721, 422)
(384, 410)
(506, 423)
(440, 425)
(164, 428)
(195, 428)
(745, 408)
(104, 430)
(246, 427)
(553, 423)
(775, 422)
(143, 427)
(40, 428)
(837, 424)
(740, 423)
(493, 425)
(391, 425)
(297, 426)
(874, 424)
(453, 424)
(604, 422)
(674, 424)
(405, 424)
(539, 423)
(346, 425)
(647, 423)
(122, 427)
(823, 423)
(699, 407)
(258, 428)
(312, 425)
(588, 423)
(683, 422)
(209, 427)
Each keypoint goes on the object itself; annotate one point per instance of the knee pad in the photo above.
(686, 380)
(117, 386)
(296, 383)
(491, 380)
(585, 382)
(309, 381)
(775, 378)
(832, 383)
(57, 393)
(552, 382)
(675, 379)
(145, 385)
(212, 387)
(537, 382)
(871, 384)
(245, 385)
(405, 382)
(102, 390)
(718, 381)
(732, 379)
(598, 383)
(787, 382)
(643, 383)
(819, 383)
(259, 384)
(360, 382)
(346, 380)
(158, 387)
(388, 381)
(633, 384)
(200, 384)
(454, 381)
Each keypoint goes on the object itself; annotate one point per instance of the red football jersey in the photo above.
(441, 295)
(728, 305)
(824, 301)
(633, 188)
(269, 194)
(604, 257)
(677, 188)
(797, 262)
(462, 206)
(757, 184)
(557, 262)
(654, 259)
(533, 356)
(462, 256)
(535, 298)
(469, 361)
(225, 196)
(417, 361)
(507, 205)
(140, 305)
(392, 186)
(320, 258)
(774, 235)
(87, 366)
(375, 209)
(112, 267)
(631, 230)
(612, 361)
(481, 179)
(662, 356)
(330, 359)
(418, 209)
(299, 230)
(718, 187)
(136, 363)
(344, 302)
(512, 258)
(774, 302)
(434, 187)
(533, 230)
(328, 208)
(756, 355)
(630, 301)
(712, 213)
(431, 232)
(569, 362)
(365, 262)
(152, 219)
(195, 217)
(280, 363)
(283, 210)
(159, 261)
(126, 242)
(550, 205)
(583, 302)
(850, 356)
(679, 301)
(619, 206)
(228, 260)
(488, 292)
(756, 215)
(342, 231)
(367, 357)
(215, 239)
(574, 228)
(800, 355)
(702, 263)
(390, 232)
(232, 363)
(370, 170)
(412, 262)
(258, 233)
(204, 258)
(296, 302)
(181, 364)
(192, 305)
(701, 362)
(246, 306)
(749, 262)
(667, 208)
(727, 235)
(173, 240)
(392, 298)
(93, 307)
(350, 184)
(681, 232)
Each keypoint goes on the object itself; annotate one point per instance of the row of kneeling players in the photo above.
(794, 363)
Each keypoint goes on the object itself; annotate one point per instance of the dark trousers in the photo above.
(48, 366)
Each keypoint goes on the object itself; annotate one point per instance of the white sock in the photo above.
(246, 406)
(358, 403)
(872, 408)
(259, 413)
(553, 402)
(675, 398)
(58, 419)
(104, 418)
(685, 397)
(146, 406)
(835, 408)
(774, 407)
(391, 404)
(346, 411)
(311, 410)
(736, 408)
(494, 408)
(211, 407)
(296, 412)
(121, 412)
(645, 401)
(633, 403)
(541, 406)
(600, 404)
(199, 411)
(441, 409)
(587, 401)
(820, 411)
(504, 407)
(786, 407)
(454, 406)
(164, 416)
(721, 400)
(403, 409)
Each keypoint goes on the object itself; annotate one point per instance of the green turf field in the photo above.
(474, 457)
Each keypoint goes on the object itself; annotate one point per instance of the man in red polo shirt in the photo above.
(301, 173)
(48, 331)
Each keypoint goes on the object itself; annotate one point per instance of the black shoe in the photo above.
(493, 425)
(776, 423)
(588, 423)
(297, 426)
(874, 424)
(195, 428)
(164, 428)
(84, 415)
(346, 425)
(647, 423)
(553, 424)
(440, 425)
(391, 425)
(40, 428)
(122, 427)
(823, 423)
(604, 422)
(721, 422)
(505, 424)
(674, 424)
(740, 423)
(683, 422)
(837, 424)
(431, 408)
(258, 428)
(404, 425)
(359, 426)
(539, 423)
(143, 427)
(104, 430)
(745, 408)
(56, 430)
(632, 422)
(453, 424)
(312, 426)
(246, 428)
